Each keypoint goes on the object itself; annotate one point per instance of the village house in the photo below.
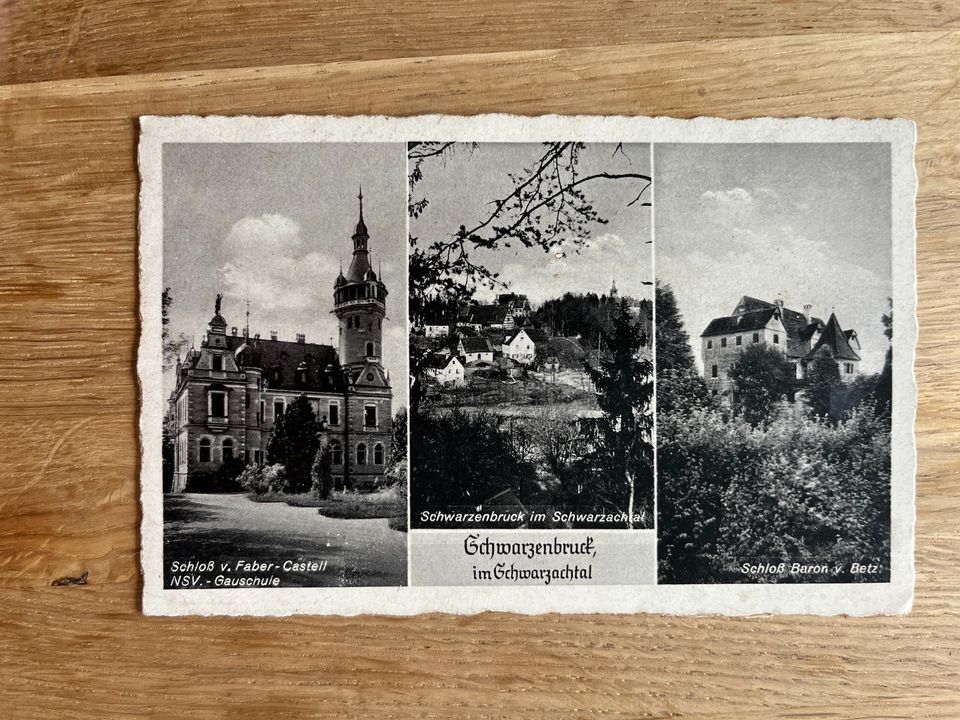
(447, 371)
(475, 349)
(436, 327)
(230, 392)
(519, 346)
(799, 336)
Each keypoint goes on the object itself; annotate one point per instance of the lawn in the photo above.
(346, 505)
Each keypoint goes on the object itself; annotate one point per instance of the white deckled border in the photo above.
(819, 599)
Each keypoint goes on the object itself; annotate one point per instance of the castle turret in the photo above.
(360, 303)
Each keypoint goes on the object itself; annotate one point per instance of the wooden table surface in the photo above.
(77, 73)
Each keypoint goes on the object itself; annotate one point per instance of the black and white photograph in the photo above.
(774, 362)
(284, 365)
(531, 354)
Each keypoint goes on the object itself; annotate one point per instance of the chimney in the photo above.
(233, 331)
(273, 334)
(301, 338)
(808, 311)
(779, 302)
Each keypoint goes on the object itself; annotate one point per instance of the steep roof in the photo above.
(835, 339)
(513, 335)
(752, 314)
(488, 314)
(475, 344)
(746, 322)
(280, 360)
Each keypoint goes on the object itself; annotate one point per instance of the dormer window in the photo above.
(217, 361)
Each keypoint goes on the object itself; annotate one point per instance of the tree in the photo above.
(624, 383)
(398, 443)
(679, 386)
(294, 443)
(883, 392)
(460, 460)
(557, 437)
(171, 348)
(761, 377)
(823, 375)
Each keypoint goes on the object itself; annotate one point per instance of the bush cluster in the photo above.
(800, 488)
(262, 479)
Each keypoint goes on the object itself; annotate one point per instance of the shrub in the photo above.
(321, 473)
(798, 489)
(261, 479)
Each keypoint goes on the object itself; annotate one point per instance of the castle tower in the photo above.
(360, 303)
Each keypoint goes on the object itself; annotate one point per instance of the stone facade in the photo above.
(231, 390)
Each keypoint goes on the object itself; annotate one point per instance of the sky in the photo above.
(271, 223)
(808, 222)
(462, 184)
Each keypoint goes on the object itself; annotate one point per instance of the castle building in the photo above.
(230, 391)
(800, 336)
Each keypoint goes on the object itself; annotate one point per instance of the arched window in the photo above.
(204, 449)
(361, 454)
(336, 453)
(227, 449)
(370, 349)
(378, 454)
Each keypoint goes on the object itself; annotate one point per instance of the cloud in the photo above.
(290, 288)
(265, 234)
(601, 259)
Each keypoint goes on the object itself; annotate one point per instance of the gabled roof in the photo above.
(487, 314)
(475, 344)
(834, 339)
(513, 335)
(439, 362)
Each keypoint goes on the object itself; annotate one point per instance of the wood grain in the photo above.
(58, 39)
(68, 406)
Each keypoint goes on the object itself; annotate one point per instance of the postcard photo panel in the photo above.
(774, 337)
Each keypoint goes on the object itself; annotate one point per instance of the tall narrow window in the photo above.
(361, 454)
(204, 450)
(756, 337)
(277, 409)
(370, 349)
(378, 454)
(334, 414)
(723, 342)
(336, 453)
(776, 339)
(218, 362)
(227, 449)
(739, 340)
(370, 416)
(218, 404)
(262, 410)
(709, 344)
(713, 371)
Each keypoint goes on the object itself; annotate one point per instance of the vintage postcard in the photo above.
(553, 364)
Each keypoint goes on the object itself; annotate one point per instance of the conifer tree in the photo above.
(294, 443)
(624, 382)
